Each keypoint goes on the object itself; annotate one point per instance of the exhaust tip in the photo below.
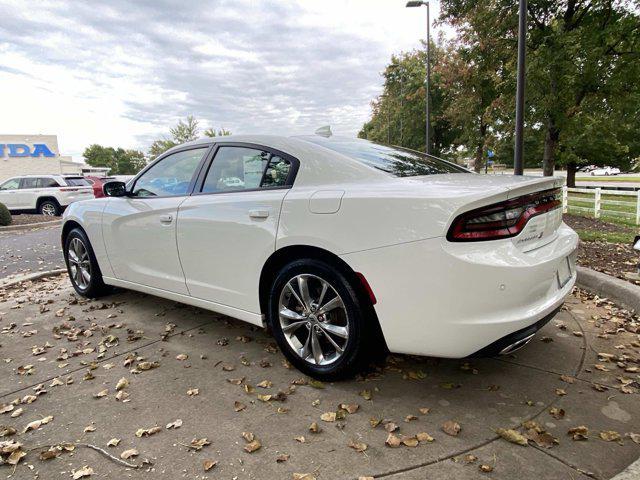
(516, 345)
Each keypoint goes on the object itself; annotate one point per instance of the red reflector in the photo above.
(503, 219)
(367, 288)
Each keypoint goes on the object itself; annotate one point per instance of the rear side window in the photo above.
(45, 182)
(77, 181)
(242, 168)
(397, 161)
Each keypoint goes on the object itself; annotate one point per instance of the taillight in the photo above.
(504, 219)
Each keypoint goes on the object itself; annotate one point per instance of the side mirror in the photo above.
(115, 189)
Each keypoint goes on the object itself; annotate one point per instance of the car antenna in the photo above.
(324, 131)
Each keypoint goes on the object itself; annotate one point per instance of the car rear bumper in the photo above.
(453, 300)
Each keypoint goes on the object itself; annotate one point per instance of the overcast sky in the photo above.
(122, 73)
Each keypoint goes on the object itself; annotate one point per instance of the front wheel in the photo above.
(318, 320)
(82, 265)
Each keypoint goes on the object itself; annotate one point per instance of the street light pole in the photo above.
(518, 165)
(419, 3)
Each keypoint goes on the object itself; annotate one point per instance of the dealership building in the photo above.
(36, 155)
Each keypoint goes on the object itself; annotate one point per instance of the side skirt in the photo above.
(250, 317)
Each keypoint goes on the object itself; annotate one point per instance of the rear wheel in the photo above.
(49, 208)
(318, 320)
(82, 265)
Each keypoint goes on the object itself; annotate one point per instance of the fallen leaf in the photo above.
(424, 410)
(101, 393)
(567, 379)
(392, 441)
(114, 442)
(556, 412)
(192, 392)
(122, 383)
(579, 433)
(132, 452)
(303, 476)
(208, 465)
(198, 443)
(390, 427)
(175, 424)
(358, 446)
(182, 356)
(144, 432)
(314, 428)
(485, 468)
(610, 436)
(238, 406)
(410, 441)
(283, 457)
(451, 428)
(328, 417)
(424, 437)
(301, 439)
(265, 384)
(252, 446)
(351, 408)
(85, 471)
(512, 436)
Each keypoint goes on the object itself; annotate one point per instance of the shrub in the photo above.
(5, 216)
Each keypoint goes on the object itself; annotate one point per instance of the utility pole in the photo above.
(427, 80)
(518, 163)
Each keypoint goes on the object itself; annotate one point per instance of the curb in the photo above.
(632, 472)
(616, 290)
(27, 226)
(28, 277)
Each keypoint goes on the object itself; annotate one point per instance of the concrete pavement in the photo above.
(30, 251)
(215, 374)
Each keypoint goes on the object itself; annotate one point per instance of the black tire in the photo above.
(49, 207)
(95, 287)
(361, 334)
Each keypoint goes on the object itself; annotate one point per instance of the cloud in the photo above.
(121, 73)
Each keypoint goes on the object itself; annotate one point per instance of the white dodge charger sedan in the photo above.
(343, 248)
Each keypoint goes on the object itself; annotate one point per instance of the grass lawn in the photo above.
(611, 237)
(612, 178)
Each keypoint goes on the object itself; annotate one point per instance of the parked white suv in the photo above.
(44, 194)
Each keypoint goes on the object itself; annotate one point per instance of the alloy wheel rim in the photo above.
(79, 264)
(313, 319)
(48, 209)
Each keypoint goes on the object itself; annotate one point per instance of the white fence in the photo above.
(613, 203)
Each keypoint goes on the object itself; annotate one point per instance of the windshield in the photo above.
(398, 161)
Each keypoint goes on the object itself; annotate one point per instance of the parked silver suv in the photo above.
(44, 194)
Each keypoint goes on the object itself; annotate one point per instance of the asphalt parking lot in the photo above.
(111, 371)
(28, 251)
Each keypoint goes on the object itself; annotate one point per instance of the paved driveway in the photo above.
(26, 251)
(220, 378)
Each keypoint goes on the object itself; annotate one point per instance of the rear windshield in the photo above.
(77, 181)
(398, 161)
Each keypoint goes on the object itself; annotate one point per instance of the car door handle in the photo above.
(166, 219)
(258, 213)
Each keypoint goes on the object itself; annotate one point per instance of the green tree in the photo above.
(582, 62)
(398, 114)
(118, 160)
(184, 131)
(211, 132)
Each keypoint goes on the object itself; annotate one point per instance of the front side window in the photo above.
(241, 168)
(12, 184)
(171, 176)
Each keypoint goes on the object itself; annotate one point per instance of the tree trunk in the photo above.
(477, 165)
(550, 146)
(571, 174)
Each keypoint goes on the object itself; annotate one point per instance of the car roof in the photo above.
(318, 165)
